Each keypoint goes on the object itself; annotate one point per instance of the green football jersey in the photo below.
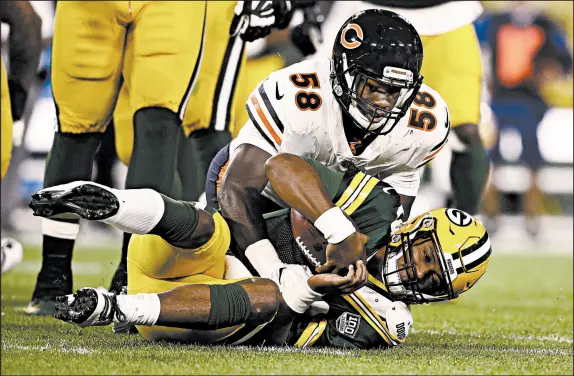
(372, 205)
(351, 322)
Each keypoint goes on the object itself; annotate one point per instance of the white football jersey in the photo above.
(294, 110)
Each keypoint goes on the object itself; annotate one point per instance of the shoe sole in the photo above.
(87, 201)
(83, 306)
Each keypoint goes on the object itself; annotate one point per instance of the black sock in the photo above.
(70, 159)
(195, 156)
(468, 174)
(178, 223)
(153, 162)
(55, 277)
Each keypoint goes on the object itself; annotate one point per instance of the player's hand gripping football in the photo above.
(345, 253)
(329, 283)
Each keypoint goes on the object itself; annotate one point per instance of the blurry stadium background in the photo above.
(33, 138)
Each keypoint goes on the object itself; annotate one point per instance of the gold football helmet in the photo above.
(436, 256)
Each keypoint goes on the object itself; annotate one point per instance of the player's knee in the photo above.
(265, 303)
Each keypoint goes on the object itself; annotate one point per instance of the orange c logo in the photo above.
(356, 43)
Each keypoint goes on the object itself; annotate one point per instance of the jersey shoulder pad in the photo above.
(432, 141)
(292, 99)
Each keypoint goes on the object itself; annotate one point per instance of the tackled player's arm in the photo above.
(240, 197)
(24, 42)
(299, 184)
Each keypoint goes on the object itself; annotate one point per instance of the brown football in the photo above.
(311, 241)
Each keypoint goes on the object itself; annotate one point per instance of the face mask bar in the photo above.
(408, 91)
(412, 290)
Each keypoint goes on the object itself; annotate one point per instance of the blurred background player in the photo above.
(24, 47)
(209, 121)
(527, 51)
(452, 66)
(154, 47)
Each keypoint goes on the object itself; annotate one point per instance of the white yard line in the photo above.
(48, 347)
(551, 338)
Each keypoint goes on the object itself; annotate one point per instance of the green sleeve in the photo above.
(375, 215)
(331, 179)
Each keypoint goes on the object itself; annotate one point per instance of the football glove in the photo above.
(254, 19)
(308, 35)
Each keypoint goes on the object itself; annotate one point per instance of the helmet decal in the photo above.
(358, 40)
(458, 217)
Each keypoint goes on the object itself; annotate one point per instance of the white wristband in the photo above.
(300, 297)
(334, 225)
(263, 256)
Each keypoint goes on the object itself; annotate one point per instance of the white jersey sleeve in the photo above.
(288, 107)
(428, 125)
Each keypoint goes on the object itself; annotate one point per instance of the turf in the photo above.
(516, 320)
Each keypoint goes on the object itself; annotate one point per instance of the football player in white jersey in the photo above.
(367, 107)
(452, 66)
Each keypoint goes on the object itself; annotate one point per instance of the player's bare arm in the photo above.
(25, 46)
(299, 185)
(240, 198)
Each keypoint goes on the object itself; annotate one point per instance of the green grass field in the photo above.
(516, 320)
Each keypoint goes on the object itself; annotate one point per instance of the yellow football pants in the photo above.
(155, 266)
(6, 123)
(452, 66)
(212, 100)
(152, 46)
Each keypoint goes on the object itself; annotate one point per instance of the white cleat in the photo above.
(88, 307)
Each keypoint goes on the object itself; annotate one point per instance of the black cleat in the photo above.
(82, 199)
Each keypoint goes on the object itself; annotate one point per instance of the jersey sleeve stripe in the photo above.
(356, 192)
(270, 108)
(350, 189)
(431, 156)
(378, 286)
(256, 124)
(434, 151)
(362, 196)
(265, 120)
(443, 142)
